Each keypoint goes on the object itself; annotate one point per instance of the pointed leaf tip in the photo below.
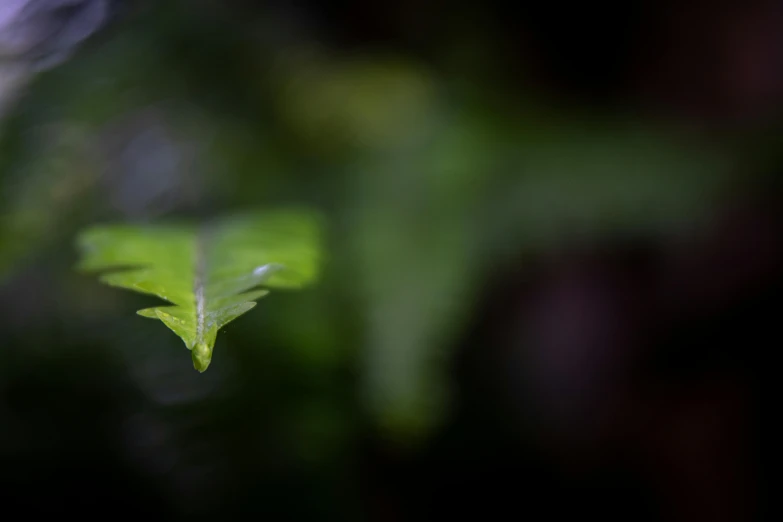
(202, 356)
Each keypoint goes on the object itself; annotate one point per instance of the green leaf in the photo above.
(210, 274)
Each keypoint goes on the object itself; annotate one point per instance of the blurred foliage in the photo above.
(430, 188)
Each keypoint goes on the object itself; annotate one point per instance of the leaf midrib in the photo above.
(199, 282)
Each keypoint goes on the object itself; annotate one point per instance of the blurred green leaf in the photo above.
(372, 103)
(45, 190)
(209, 273)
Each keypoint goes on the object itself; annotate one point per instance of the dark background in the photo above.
(553, 276)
